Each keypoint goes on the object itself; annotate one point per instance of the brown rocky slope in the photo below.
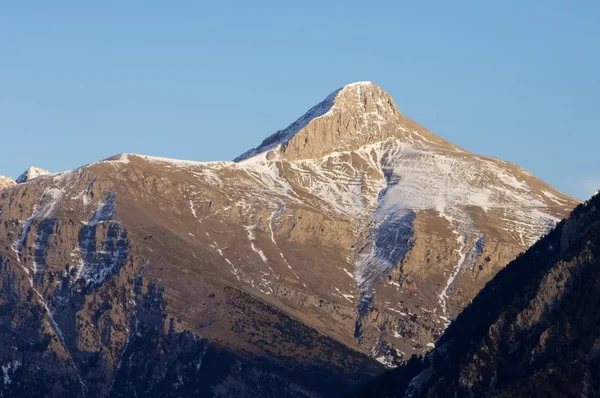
(533, 331)
(6, 182)
(353, 234)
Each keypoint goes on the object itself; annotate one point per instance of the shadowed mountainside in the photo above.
(534, 330)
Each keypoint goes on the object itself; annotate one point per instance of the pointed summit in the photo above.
(31, 173)
(355, 115)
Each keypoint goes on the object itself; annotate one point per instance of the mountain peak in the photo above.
(355, 115)
(364, 96)
(362, 83)
(31, 173)
(6, 181)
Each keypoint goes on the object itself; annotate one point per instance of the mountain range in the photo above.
(336, 249)
(28, 175)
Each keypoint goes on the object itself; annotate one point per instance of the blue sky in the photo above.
(207, 80)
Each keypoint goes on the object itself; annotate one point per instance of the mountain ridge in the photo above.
(370, 244)
(417, 192)
(31, 173)
(360, 100)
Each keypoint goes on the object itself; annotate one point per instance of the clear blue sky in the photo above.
(207, 80)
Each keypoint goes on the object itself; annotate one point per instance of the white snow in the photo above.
(199, 360)
(193, 209)
(176, 162)
(377, 188)
(31, 174)
(397, 311)
(384, 360)
(553, 198)
(273, 214)
(9, 369)
(251, 238)
(96, 264)
(347, 296)
(235, 271)
(6, 182)
(350, 274)
(43, 209)
(462, 253)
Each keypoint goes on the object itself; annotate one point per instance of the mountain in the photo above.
(533, 331)
(30, 174)
(354, 234)
(6, 182)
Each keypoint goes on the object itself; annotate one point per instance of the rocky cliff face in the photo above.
(534, 330)
(430, 222)
(354, 234)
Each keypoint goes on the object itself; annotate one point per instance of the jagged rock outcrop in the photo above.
(351, 235)
(533, 331)
(356, 115)
(6, 182)
(30, 174)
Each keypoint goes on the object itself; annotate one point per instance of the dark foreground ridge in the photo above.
(533, 331)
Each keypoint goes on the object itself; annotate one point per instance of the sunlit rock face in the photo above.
(342, 244)
(533, 330)
(30, 174)
(6, 182)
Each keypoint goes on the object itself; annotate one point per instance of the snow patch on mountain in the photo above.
(31, 173)
(99, 259)
(42, 210)
(9, 369)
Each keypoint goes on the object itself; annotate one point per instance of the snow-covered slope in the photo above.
(354, 220)
(355, 155)
(428, 223)
(31, 173)
(533, 331)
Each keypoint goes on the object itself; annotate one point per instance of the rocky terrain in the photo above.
(28, 175)
(6, 182)
(347, 241)
(533, 331)
(31, 173)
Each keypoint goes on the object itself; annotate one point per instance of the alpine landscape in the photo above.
(311, 265)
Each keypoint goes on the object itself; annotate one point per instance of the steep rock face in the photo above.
(353, 234)
(30, 174)
(432, 222)
(356, 115)
(102, 271)
(534, 330)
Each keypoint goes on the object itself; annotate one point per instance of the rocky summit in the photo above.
(339, 246)
(31, 173)
(6, 182)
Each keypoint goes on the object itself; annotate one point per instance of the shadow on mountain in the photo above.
(168, 363)
(534, 330)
